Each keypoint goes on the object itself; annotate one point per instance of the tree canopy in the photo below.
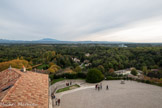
(94, 76)
(103, 57)
(134, 72)
(15, 64)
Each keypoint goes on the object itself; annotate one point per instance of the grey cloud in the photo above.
(70, 19)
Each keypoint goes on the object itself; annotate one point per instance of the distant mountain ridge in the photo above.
(48, 39)
(55, 41)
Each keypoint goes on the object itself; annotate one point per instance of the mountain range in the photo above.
(54, 41)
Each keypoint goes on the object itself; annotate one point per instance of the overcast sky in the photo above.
(96, 20)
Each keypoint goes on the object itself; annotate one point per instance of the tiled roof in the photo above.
(21, 89)
(7, 78)
(155, 70)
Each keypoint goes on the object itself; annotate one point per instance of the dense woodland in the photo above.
(105, 58)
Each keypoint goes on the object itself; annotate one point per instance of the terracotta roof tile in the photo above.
(28, 88)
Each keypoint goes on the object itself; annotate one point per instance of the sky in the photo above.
(82, 20)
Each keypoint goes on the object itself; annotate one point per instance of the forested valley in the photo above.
(81, 57)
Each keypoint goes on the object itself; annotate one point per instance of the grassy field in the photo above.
(67, 88)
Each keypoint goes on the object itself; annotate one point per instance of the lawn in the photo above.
(67, 88)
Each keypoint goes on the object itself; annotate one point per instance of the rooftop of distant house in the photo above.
(21, 87)
(154, 70)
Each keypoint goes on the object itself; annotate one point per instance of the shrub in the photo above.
(67, 75)
(94, 76)
(70, 75)
(51, 76)
(134, 72)
(81, 75)
(159, 84)
(113, 78)
(148, 81)
(160, 79)
(129, 78)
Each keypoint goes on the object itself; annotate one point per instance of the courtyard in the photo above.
(129, 95)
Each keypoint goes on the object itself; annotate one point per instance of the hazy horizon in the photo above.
(82, 20)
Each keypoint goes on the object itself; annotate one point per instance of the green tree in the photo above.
(15, 64)
(101, 68)
(144, 69)
(134, 72)
(111, 72)
(94, 76)
(78, 69)
(54, 68)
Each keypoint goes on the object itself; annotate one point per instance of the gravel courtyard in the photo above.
(129, 95)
